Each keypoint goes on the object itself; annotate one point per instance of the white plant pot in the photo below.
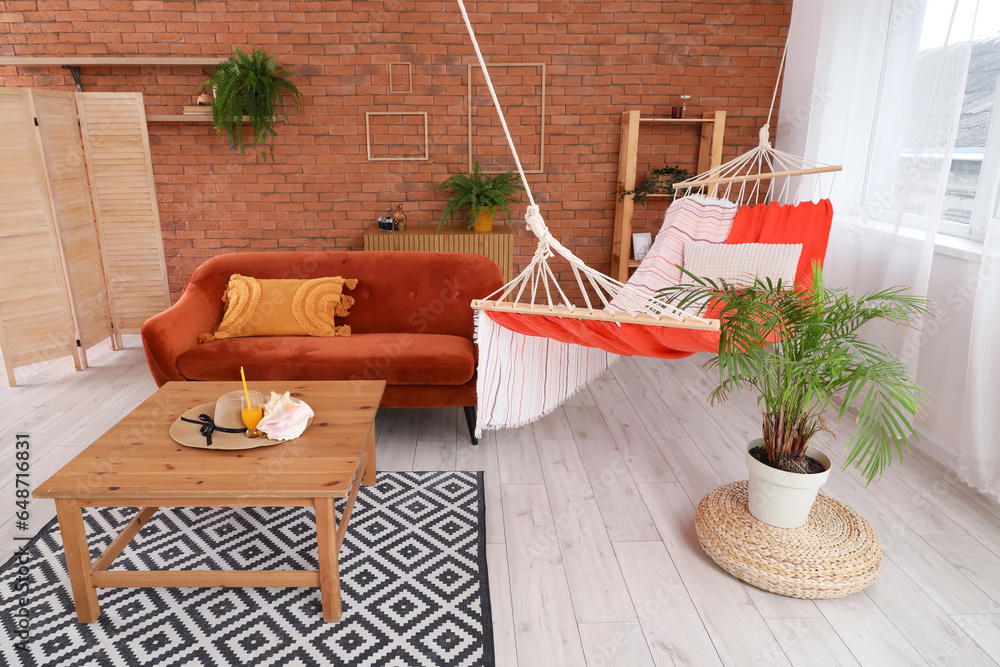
(783, 499)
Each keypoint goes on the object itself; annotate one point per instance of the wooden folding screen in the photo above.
(81, 255)
(116, 144)
(63, 162)
(36, 323)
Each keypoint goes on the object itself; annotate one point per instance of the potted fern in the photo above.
(479, 196)
(799, 348)
(249, 86)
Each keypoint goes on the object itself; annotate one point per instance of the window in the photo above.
(932, 144)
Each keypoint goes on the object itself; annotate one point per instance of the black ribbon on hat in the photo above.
(208, 426)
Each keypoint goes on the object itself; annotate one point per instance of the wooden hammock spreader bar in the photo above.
(763, 176)
(601, 315)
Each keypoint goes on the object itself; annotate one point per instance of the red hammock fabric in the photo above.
(807, 223)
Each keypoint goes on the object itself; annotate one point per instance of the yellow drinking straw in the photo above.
(245, 386)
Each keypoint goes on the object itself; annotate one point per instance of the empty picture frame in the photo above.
(525, 120)
(400, 80)
(641, 242)
(406, 139)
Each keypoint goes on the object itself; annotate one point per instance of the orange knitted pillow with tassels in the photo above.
(283, 308)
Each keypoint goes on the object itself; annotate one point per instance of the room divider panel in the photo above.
(62, 159)
(81, 254)
(116, 144)
(36, 323)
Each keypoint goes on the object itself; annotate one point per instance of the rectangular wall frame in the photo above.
(368, 135)
(541, 137)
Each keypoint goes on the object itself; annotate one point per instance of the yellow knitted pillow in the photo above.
(283, 308)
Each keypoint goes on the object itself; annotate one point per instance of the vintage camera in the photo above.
(386, 223)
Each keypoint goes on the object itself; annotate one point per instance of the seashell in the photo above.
(285, 418)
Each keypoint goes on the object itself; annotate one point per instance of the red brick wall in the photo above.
(321, 191)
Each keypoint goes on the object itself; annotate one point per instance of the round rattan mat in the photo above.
(834, 554)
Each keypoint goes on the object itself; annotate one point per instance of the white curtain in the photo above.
(885, 89)
(979, 451)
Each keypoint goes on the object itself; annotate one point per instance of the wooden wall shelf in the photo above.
(713, 128)
(105, 61)
(184, 118)
(74, 63)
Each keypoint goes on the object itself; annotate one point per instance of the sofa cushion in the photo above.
(289, 307)
(399, 359)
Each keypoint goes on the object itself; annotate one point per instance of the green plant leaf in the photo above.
(802, 347)
(470, 193)
(250, 86)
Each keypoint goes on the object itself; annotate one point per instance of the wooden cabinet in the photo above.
(712, 126)
(498, 244)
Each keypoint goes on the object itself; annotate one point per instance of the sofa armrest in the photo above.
(174, 331)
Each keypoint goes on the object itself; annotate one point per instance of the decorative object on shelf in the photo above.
(249, 85)
(641, 241)
(386, 223)
(679, 110)
(205, 98)
(480, 196)
(800, 347)
(399, 217)
(658, 182)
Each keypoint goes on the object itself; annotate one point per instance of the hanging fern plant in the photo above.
(249, 85)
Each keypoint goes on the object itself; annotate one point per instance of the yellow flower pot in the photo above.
(484, 221)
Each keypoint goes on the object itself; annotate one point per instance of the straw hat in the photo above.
(216, 425)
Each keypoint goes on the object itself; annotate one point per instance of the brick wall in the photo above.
(321, 191)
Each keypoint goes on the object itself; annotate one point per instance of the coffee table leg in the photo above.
(329, 565)
(78, 563)
(369, 478)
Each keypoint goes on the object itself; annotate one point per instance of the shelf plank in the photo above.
(91, 61)
(184, 118)
(676, 120)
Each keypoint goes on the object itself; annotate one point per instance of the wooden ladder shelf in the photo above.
(713, 127)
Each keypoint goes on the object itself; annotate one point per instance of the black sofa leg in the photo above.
(470, 419)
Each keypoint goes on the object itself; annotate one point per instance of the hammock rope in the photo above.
(538, 272)
(535, 355)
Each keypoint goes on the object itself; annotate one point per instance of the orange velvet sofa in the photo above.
(411, 325)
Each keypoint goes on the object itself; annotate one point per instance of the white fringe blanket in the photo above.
(523, 378)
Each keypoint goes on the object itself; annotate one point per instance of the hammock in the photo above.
(534, 355)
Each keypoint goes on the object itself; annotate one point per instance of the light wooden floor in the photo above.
(592, 552)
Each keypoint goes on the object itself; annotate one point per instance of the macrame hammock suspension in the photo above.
(537, 349)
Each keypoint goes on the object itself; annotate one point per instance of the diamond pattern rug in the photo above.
(413, 580)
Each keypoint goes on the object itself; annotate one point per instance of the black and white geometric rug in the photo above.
(412, 569)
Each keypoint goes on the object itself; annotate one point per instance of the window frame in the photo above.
(986, 204)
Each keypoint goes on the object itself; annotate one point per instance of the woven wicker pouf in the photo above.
(834, 554)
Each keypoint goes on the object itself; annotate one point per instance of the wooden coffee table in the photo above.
(137, 464)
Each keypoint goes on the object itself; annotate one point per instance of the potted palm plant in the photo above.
(799, 348)
(249, 86)
(479, 196)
